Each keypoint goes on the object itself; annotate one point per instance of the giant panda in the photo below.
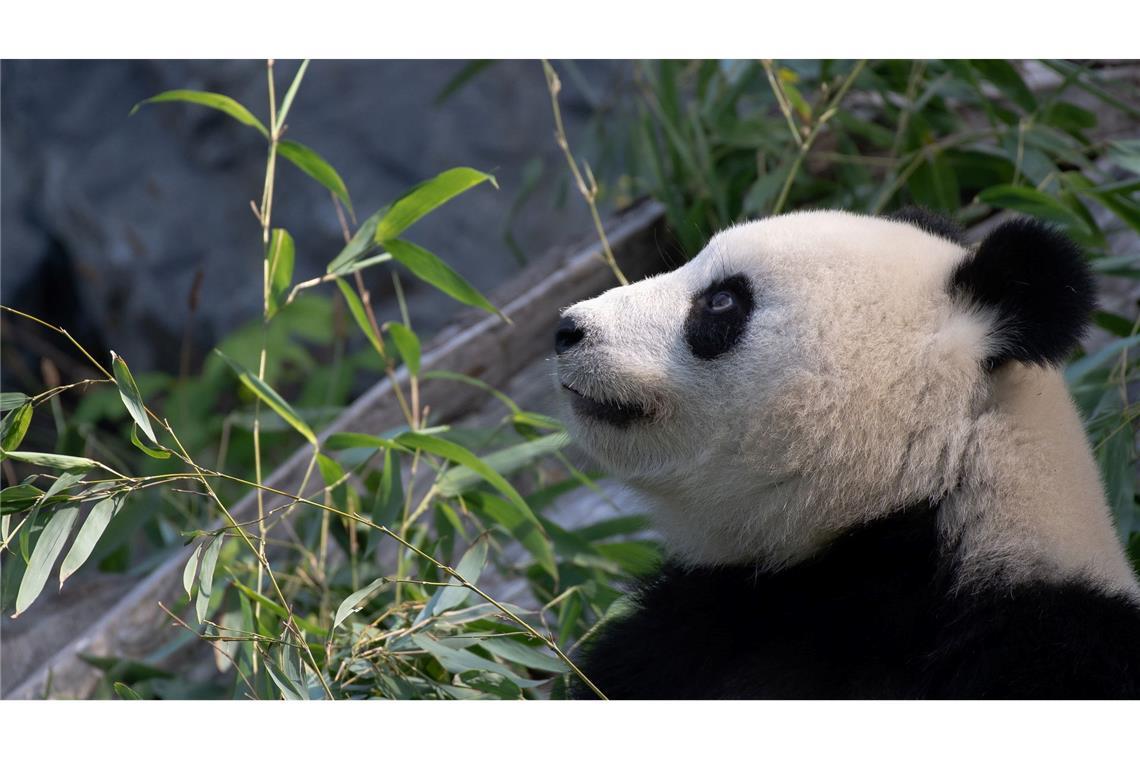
(863, 461)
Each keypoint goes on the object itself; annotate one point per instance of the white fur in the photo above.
(857, 388)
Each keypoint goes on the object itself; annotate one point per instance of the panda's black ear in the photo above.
(1035, 282)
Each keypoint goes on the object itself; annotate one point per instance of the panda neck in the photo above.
(1029, 503)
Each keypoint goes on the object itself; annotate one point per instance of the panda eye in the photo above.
(718, 316)
(721, 302)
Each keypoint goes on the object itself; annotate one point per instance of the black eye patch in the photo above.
(718, 316)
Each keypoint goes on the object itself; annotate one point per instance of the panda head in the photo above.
(811, 371)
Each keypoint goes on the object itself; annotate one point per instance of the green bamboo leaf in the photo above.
(1126, 154)
(505, 461)
(341, 441)
(132, 399)
(14, 426)
(287, 102)
(88, 536)
(442, 374)
(43, 558)
(280, 255)
(310, 162)
(459, 455)
(356, 307)
(1034, 202)
(213, 100)
(53, 461)
(190, 572)
(461, 660)
(356, 600)
(407, 343)
(432, 270)
(518, 652)
(206, 577)
(527, 532)
(361, 243)
(10, 401)
(470, 568)
(271, 398)
(155, 453)
(125, 692)
(425, 197)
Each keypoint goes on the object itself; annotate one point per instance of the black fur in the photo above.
(930, 221)
(873, 616)
(711, 334)
(1038, 283)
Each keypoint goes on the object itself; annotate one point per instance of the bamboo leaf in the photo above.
(432, 270)
(287, 102)
(1086, 364)
(155, 453)
(389, 499)
(125, 692)
(470, 568)
(88, 536)
(271, 398)
(44, 555)
(10, 401)
(361, 243)
(190, 572)
(456, 453)
(356, 600)
(1034, 202)
(516, 522)
(206, 577)
(53, 461)
(223, 103)
(461, 660)
(281, 254)
(425, 197)
(407, 343)
(356, 307)
(14, 426)
(505, 461)
(310, 162)
(132, 399)
(279, 611)
(340, 441)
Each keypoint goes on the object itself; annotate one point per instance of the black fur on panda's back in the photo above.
(873, 616)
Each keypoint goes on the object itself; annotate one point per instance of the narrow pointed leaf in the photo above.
(155, 453)
(456, 453)
(206, 577)
(462, 660)
(10, 401)
(425, 197)
(1034, 202)
(14, 427)
(361, 243)
(287, 102)
(389, 499)
(505, 461)
(432, 270)
(310, 162)
(356, 307)
(87, 537)
(190, 572)
(281, 255)
(53, 461)
(223, 103)
(356, 600)
(408, 344)
(132, 399)
(271, 398)
(525, 531)
(47, 550)
(470, 568)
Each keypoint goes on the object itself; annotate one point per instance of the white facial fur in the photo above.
(857, 388)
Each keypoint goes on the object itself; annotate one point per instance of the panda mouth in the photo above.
(617, 413)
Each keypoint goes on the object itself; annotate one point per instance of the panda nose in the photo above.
(567, 335)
